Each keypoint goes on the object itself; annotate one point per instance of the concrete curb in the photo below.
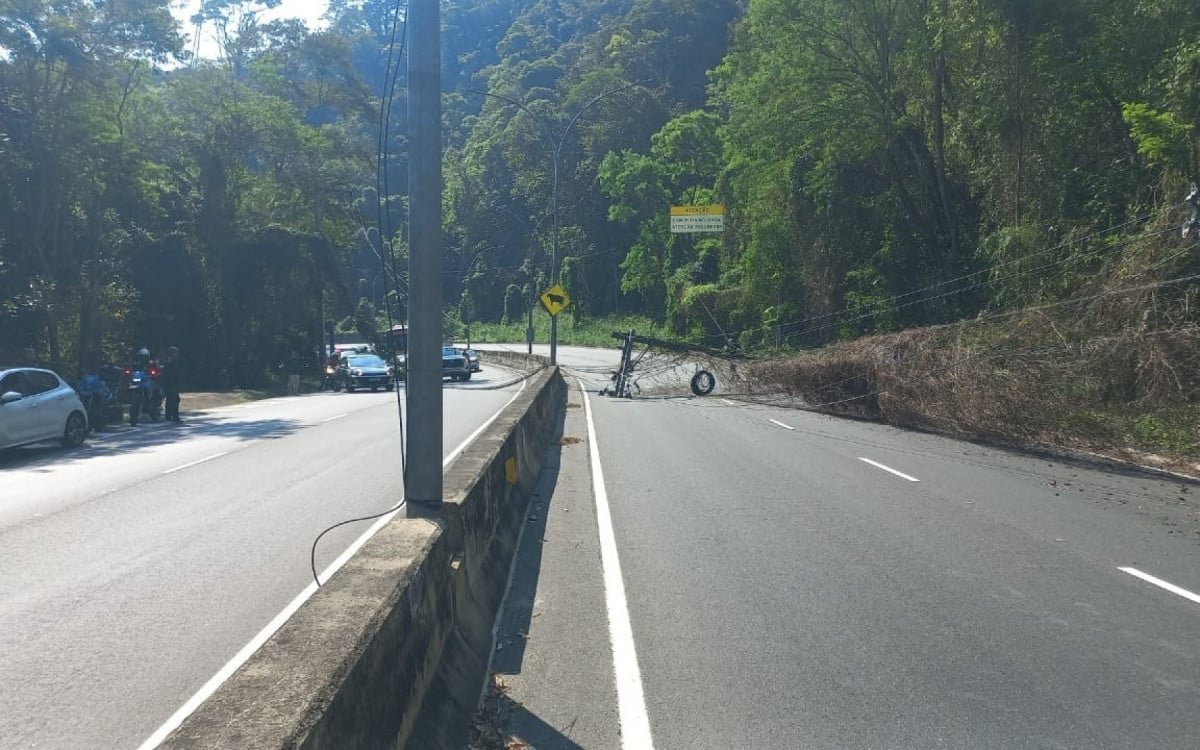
(391, 651)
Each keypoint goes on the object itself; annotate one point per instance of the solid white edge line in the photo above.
(196, 463)
(631, 701)
(889, 469)
(334, 419)
(1178, 590)
(242, 656)
(777, 423)
(728, 402)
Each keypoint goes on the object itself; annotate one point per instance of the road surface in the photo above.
(133, 569)
(762, 577)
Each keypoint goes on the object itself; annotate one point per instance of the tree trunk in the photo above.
(950, 254)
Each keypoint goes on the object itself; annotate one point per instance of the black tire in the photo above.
(374, 389)
(135, 410)
(390, 387)
(75, 431)
(350, 388)
(703, 383)
(466, 377)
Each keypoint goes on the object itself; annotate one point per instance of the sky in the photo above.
(309, 11)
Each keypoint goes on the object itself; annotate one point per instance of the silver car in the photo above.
(37, 405)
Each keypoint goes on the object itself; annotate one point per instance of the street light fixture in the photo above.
(556, 144)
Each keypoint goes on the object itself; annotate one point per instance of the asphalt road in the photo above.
(133, 569)
(793, 580)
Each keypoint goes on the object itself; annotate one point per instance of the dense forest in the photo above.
(884, 163)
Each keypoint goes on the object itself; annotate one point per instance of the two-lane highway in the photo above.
(133, 570)
(774, 578)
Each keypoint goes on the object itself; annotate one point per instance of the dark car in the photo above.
(454, 364)
(364, 371)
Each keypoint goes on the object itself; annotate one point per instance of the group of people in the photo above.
(169, 378)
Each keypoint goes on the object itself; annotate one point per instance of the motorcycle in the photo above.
(145, 395)
(329, 383)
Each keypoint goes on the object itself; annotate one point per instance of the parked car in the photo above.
(454, 364)
(37, 405)
(364, 371)
(472, 359)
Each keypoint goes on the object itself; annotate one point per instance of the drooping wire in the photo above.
(1134, 289)
(883, 306)
(383, 219)
(383, 199)
(959, 290)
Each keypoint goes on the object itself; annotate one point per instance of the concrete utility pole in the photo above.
(423, 481)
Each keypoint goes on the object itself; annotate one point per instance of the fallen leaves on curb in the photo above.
(489, 728)
(570, 441)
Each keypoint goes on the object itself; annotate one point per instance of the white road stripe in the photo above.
(888, 469)
(631, 702)
(728, 402)
(777, 423)
(241, 657)
(196, 463)
(334, 419)
(1163, 584)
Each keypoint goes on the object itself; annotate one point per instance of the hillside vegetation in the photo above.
(886, 165)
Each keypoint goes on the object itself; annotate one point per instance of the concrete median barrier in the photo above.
(515, 360)
(393, 650)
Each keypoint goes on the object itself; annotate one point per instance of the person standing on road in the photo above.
(293, 366)
(170, 378)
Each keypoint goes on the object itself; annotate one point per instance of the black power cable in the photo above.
(384, 224)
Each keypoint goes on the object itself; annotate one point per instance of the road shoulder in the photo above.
(554, 685)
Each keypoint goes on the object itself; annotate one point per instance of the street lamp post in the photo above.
(556, 145)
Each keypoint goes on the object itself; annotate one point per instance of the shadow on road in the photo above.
(505, 722)
(514, 719)
(518, 607)
(122, 439)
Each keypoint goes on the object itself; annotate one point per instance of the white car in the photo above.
(36, 406)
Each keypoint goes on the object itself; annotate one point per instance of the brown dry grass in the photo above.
(1115, 366)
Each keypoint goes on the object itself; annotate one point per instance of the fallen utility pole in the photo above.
(703, 382)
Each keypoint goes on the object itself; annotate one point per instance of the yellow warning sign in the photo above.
(510, 470)
(690, 219)
(555, 299)
(715, 209)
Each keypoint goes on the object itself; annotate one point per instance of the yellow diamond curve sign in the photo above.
(555, 299)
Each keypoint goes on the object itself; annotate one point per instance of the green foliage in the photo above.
(1160, 136)
(584, 332)
(365, 324)
(864, 151)
(206, 207)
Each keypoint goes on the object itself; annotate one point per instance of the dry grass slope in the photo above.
(1114, 367)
